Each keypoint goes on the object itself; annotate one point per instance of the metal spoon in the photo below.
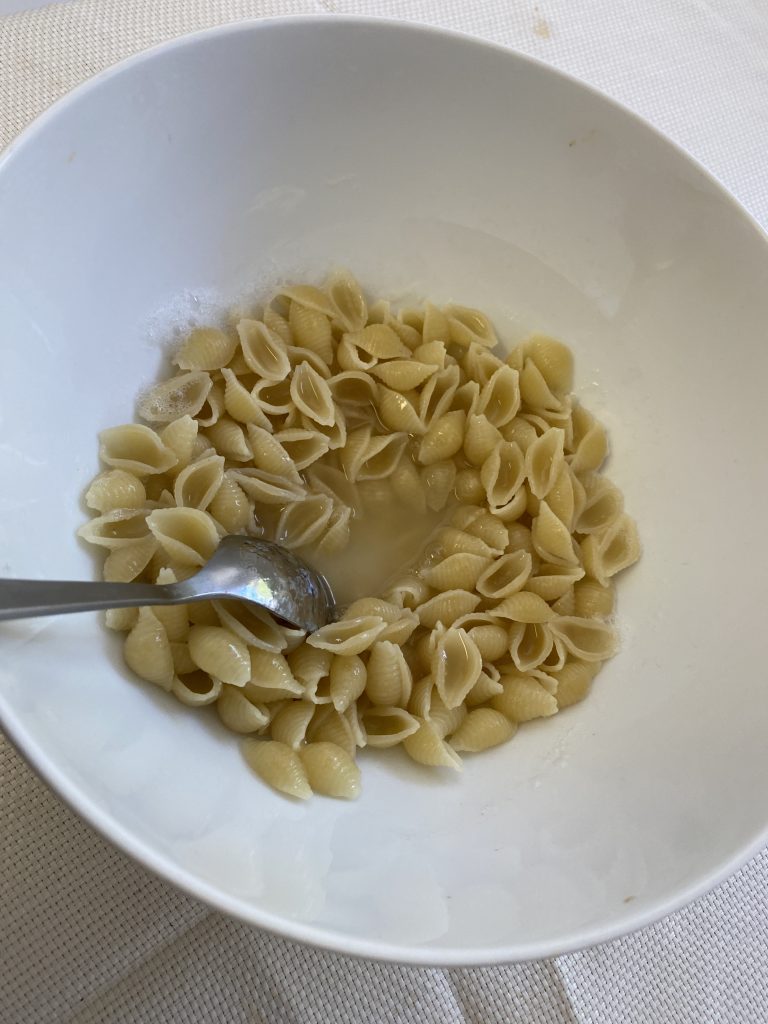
(242, 568)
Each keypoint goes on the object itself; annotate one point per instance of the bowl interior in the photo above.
(434, 167)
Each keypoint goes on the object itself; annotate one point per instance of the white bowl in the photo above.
(439, 167)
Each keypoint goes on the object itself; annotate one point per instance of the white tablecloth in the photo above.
(88, 936)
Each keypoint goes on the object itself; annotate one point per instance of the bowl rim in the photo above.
(162, 865)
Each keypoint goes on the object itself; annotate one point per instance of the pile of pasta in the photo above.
(291, 423)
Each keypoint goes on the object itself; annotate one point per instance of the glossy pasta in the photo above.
(322, 417)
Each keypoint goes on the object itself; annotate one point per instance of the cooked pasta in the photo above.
(451, 492)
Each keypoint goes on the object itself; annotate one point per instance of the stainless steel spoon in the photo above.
(242, 568)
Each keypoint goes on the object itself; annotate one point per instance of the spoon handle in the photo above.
(23, 599)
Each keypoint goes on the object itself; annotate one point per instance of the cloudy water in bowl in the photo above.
(387, 539)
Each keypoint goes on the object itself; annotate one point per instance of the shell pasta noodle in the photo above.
(449, 490)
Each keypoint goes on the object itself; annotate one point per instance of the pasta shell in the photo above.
(446, 607)
(435, 326)
(433, 353)
(125, 564)
(180, 437)
(554, 362)
(312, 396)
(238, 713)
(389, 679)
(347, 680)
(196, 689)
(278, 766)
(278, 325)
(469, 327)
(121, 619)
(118, 529)
(523, 699)
(174, 617)
(521, 431)
(197, 484)
(488, 636)
(353, 388)
(303, 522)
(506, 576)
(336, 435)
(489, 528)
(309, 296)
(452, 541)
(408, 592)
(380, 341)
(480, 439)
(589, 440)
(349, 636)
(206, 348)
(574, 681)
(220, 653)
(331, 770)
(268, 488)
(328, 726)
(303, 447)
(348, 301)
(183, 395)
(586, 639)
(407, 486)
(519, 538)
(337, 534)
(530, 643)
(523, 607)
(309, 665)
(438, 481)
(188, 535)
(443, 438)
(482, 729)
(254, 625)
(426, 746)
(403, 374)
(552, 539)
(456, 572)
(592, 600)
(467, 398)
(213, 406)
(350, 358)
(115, 489)
(271, 671)
(543, 461)
(274, 397)
(456, 666)
(502, 474)
(386, 727)
(289, 725)
(269, 454)
(603, 504)
(240, 403)
(263, 350)
(437, 394)
(484, 689)
(136, 449)
(500, 397)
(397, 412)
(311, 330)
(534, 390)
(607, 553)
(182, 659)
(229, 440)
(147, 651)
(480, 364)
(230, 506)
(551, 582)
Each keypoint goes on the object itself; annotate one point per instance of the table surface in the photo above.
(89, 936)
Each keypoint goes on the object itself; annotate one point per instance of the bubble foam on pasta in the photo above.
(451, 494)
